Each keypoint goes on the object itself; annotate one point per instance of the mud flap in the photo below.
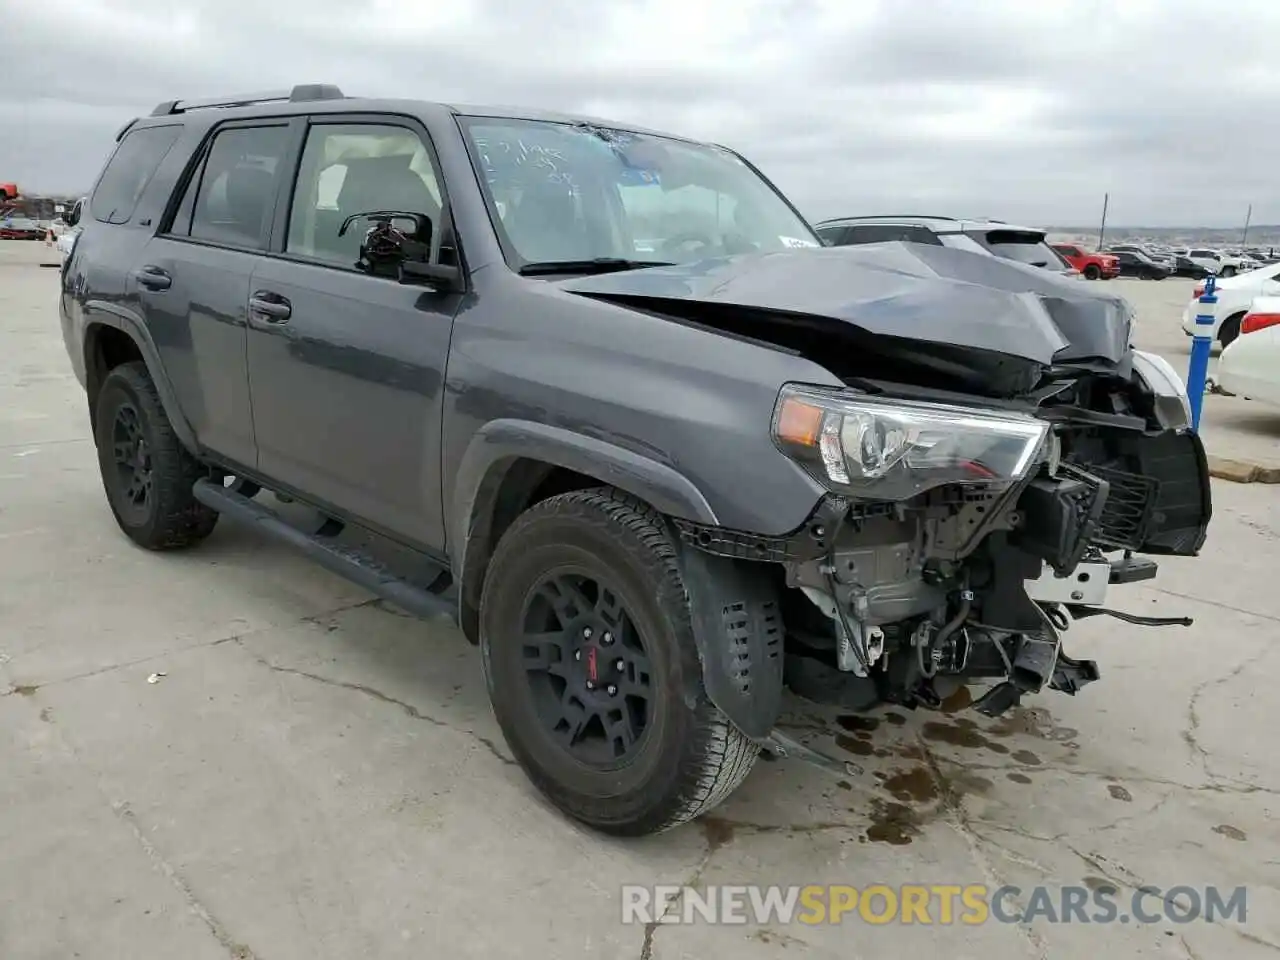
(738, 628)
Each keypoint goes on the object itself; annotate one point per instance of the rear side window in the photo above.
(129, 171)
(885, 232)
(230, 198)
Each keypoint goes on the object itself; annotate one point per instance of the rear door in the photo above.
(347, 368)
(193, 278)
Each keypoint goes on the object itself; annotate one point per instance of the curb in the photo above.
(1242, 471)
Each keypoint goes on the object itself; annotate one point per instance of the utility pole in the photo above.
(1102, 230)
(1247, 217)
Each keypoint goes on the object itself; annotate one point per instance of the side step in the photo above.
(334, 557)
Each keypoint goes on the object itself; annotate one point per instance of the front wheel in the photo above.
(588, 650)
(146, 472)
(1091, 272)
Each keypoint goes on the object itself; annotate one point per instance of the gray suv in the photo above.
(1022, 244)
(599, 396)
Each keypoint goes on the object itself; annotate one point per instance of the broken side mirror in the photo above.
(398, 244)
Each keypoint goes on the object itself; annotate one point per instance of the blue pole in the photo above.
(1201, 344)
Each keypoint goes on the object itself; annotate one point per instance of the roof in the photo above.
(328, 98)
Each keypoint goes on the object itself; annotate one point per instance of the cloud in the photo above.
(1024, 111)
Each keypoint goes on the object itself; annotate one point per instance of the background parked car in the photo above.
(1094, 266)
(1165, 260)
(1250, 364)
(1184, 266)
(1235, 294)
(20, 228)
(1135, 263)
(1022, 244)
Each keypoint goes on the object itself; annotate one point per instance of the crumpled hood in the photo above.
(905, 290)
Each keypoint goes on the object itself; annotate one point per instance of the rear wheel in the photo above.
(592, 668)
(1228, 271)
(1230, 329)
(146, 472)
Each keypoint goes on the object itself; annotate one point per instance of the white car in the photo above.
(1250, 366)
(1234, 296)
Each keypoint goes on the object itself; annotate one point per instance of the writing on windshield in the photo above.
(562, 191)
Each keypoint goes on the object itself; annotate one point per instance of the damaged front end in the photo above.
(961, 539)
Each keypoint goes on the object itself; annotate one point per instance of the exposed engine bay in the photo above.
(997, 458)
(907, 600)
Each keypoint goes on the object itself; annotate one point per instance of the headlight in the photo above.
(890, 449)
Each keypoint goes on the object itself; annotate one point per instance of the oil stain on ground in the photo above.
(963, 733)
(1032, 722)
(1230, 832)
(893, 823)
(1027, 757)
(1018, 777)
(1119, 793)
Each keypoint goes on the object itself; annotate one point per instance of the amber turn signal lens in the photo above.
(799, 422)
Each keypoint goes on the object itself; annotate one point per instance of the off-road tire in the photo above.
(1230, 329)
(693, 757)
(1091, 271)
(173, 518)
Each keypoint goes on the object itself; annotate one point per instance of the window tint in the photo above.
(1028, 248)
(1204, 253)
(886, 232)
(230, 200)
(129, 171)
(831, 236)
(349, 169)
(1068, 250)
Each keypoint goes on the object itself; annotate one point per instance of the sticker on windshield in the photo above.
(796, 242)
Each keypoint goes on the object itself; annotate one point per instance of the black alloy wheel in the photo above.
(134, 470)
(586, 665)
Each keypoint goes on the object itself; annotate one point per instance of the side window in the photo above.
(230, 198)
(831, 236)
(886, 232)
(1069, 251)
(351, 169)
(129, 171)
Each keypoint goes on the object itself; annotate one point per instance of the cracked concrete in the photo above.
(317, 775)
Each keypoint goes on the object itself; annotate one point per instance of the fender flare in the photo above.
(741, 654)
(106, 314)
(506, 440)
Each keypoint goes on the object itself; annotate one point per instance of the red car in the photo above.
(20, 228)
(1095, 266)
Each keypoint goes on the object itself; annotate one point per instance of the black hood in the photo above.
(906, 291)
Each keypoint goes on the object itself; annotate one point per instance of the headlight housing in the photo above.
(887, 449)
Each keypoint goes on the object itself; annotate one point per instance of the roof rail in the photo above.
(299, 93)
(890, 216)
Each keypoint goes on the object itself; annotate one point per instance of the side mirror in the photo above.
(72, 216)
(398, 244)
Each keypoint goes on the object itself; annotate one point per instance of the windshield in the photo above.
(561, 192)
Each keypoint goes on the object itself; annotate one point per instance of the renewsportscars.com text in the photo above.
(940, 904)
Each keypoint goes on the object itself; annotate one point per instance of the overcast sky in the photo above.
(1026, 111)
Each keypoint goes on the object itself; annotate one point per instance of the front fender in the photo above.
(501, 442)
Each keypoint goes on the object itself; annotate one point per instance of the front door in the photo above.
(346, 370)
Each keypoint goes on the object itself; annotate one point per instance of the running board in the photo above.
(334, 557)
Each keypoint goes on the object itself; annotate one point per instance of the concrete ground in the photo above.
(314, 776)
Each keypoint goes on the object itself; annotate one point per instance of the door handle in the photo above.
(271, 307)
(153, 278)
